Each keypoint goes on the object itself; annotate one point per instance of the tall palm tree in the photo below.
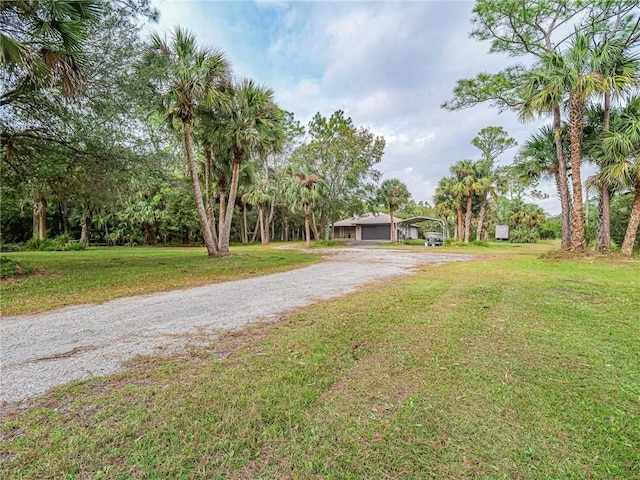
(615, 65)
(393, 193)
(575, 72)
(188, 76)
(542, 94)
(261, 195)
(538, 159)
(622, 145)
(449, 199)
(466, 185)
(253, 123)
(303, 191)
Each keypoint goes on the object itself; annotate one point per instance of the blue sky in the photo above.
(388, 65)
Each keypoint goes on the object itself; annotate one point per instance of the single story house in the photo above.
(373, 226)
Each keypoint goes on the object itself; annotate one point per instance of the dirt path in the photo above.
(38, 352)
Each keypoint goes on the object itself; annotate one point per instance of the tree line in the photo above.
(114, 138)
(580, 71)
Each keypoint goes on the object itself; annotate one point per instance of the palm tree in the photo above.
(41, 43)
(393, 193)
(622, 145)
(253, 123)
(611, 61)
(189, 76)
(448, 199)
(575, 72)
(466, 185)
(261, 195)
(538, 159)
(303, 191)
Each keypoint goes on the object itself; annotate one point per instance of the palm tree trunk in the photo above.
(561, 181)
(467, 219)
(228, 216)
(245, 233)
(314, 228)
(285, 226)
(459, 222)
(634, 222)
(255, 231)
(222, 197)
(211, 216)
(264, 234)
(393, 226)
(197, 193)
(306, 230)
(603, 230)
(483, 209)
(576, 114)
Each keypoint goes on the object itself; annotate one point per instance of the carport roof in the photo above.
(368, 219)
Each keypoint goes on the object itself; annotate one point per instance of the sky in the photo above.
(388, 65)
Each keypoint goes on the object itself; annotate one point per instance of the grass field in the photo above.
(100, 274)
(513, 367)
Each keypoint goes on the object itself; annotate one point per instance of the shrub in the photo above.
(479, 243)
(58, 244)
(11, 268)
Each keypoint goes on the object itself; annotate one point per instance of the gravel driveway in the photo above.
(38, 352)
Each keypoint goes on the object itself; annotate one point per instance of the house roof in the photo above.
(367, 219)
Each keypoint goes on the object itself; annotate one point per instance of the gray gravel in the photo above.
(38, 352)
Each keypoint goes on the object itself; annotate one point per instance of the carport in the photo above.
(406, 224)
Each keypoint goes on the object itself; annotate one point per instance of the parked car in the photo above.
(433, 240)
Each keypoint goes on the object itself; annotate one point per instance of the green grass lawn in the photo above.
(102, 274)
(512, 367)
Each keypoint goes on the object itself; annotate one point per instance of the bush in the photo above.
(479, 243)
(58, 244)
(11, 268)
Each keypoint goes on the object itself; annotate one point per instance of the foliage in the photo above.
(11, 268)
(60, 244)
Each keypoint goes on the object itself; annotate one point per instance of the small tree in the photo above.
(394, 194)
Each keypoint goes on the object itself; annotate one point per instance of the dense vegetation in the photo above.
(585, 82)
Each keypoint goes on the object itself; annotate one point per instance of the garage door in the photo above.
(376, 232)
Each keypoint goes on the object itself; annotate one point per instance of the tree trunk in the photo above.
(306, 230)
(634, 222)
(467, 219)
(255, 231)
(40, 217)
(576, 114)
(222, 197)
(561, 181)
(393, 226)
(245, 233)
(313, 226)
(483, 210)
(64, 211)
(85, 223)
(264, 229)
(211, 216)
(228, 216)
(285, 226)
(324, 232)
(148, 234)
(459, 222)
(197, 193)
(603, 230)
